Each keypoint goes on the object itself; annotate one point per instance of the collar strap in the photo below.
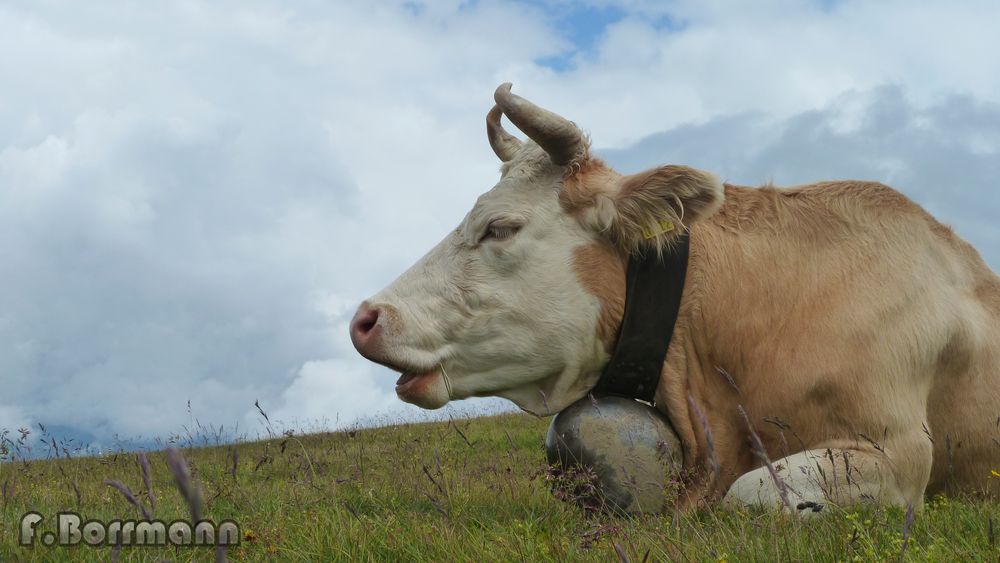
(653, 289)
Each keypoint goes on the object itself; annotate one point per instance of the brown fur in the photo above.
(584, 183)
(601, 271)
(848, 318)
(628, 208)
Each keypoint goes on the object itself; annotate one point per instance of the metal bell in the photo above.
(630, 449)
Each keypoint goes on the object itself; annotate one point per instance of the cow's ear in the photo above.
(648, 209)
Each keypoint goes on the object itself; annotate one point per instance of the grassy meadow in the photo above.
(464, 490)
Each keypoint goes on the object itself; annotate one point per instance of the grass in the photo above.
(467, 490)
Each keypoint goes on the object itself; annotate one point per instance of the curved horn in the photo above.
(558, 136)
(504, 144)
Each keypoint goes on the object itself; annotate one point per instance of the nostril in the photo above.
(368, 321)
(363, 326)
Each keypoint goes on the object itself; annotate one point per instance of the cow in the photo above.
(834, 344)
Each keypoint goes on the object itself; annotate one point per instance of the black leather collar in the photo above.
(653, 289)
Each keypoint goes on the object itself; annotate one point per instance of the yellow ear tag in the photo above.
(663, 226)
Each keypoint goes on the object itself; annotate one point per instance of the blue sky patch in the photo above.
(584, 25)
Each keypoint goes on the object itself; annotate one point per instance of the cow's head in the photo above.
(523, 300)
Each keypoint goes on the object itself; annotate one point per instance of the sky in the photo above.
(195, 196)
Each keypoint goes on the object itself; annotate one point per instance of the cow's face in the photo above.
(523, 299)
(496, 308)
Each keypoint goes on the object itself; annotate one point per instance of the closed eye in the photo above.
(499, 231)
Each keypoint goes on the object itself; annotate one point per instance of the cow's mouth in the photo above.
(427, 389)
(405, 378)
(409, 380)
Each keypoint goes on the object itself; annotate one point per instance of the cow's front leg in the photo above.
(814, 479)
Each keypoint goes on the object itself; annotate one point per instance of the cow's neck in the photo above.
(654, 288)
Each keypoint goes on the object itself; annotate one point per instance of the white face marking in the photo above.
(497, 304)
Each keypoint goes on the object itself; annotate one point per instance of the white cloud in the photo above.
(12, 418)
(319, 390)
(946, 156)
(192, 203)
(779, 57)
